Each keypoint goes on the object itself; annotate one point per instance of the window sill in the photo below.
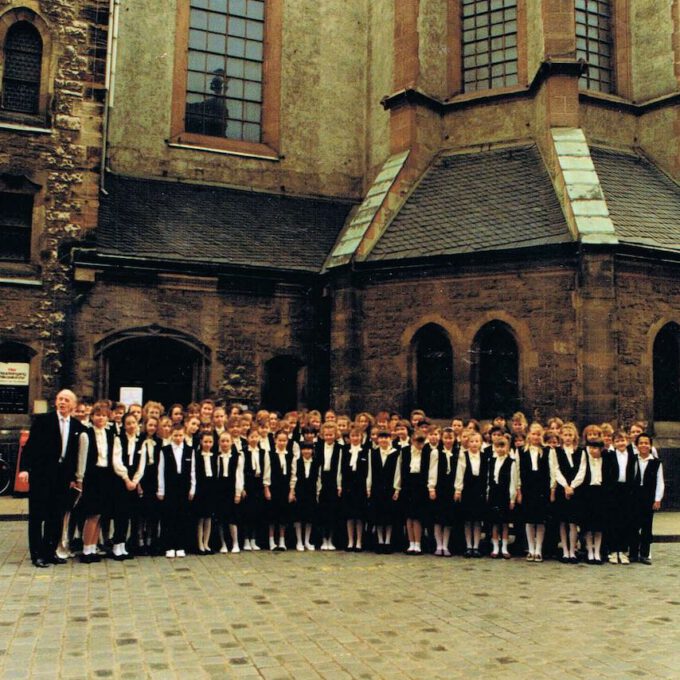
(19, 274)
(24, 127)
(230, 147)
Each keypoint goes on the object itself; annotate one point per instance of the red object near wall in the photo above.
(20, 487)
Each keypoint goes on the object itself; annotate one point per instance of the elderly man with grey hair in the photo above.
(52, 464)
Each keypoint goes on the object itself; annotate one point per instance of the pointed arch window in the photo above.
(22, 58)
(667, 373)
(433, 363)
(495, 371)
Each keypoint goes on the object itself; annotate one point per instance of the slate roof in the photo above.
(494, 200)
(644, 204)
(162, 220)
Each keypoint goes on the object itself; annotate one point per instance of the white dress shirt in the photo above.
(642, 464)
(177, 452)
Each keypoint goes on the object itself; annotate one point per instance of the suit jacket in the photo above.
(49, 475)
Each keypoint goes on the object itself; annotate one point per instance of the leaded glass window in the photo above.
(22, 64)
(489, 44)
(594, 44)
(225, 61)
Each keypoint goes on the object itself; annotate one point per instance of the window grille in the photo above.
(225, 62)
(594, 44)
(22, 65)
(489, 44)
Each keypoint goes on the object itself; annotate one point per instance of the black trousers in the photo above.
(641, 538)
(44, 528)
(176, 526)
(619, 524)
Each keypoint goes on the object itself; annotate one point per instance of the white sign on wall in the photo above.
(131, 395)
(14, 374)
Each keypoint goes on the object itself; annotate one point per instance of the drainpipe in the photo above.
(109, 83)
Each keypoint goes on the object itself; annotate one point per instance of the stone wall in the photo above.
(322, 103)
(535, 301)
(243, 325)
(63, 160)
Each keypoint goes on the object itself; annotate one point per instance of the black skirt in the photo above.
(415, 497)
(99, 486)
(473, 501)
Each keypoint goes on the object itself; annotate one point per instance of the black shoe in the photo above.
(119, 558)
(358, 549)
(57, 560)
(468, 552)
(95, 558)
(40, 563)
(564, 559)
(573, 560)
(645, 560)
(86, 559)
(476, 552)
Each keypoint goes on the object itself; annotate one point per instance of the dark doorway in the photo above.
(495, 371)
(169, 366)
(434, 371)
(667, 373)
(280, 388)
(163, 368)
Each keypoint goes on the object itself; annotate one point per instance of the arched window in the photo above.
(281, 384)
(433, 371)
(495, 371)
(667, 373)
(22, 66)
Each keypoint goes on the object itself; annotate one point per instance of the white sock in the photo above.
(504, 545)
(540, 533)
(272, 542)
(494, 543)
(531, 539)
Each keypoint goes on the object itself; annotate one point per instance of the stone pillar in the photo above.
(596, 332)
(345, 342)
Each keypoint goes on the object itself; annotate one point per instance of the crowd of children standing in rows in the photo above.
(205, 479)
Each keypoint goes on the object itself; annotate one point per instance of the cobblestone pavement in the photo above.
(336, 615)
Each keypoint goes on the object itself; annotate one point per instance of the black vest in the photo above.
(177, 481)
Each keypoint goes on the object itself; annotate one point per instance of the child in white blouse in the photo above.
(592, 496)
(470, 486)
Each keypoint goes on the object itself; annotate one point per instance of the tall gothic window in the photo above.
(22, 64)
(489, 44)
(434, 371)
(225, 69)
(594, 44)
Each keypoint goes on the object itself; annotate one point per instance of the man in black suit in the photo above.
(49, 463)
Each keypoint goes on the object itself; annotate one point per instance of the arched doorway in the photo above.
(167, 365)
(667, 373)
(281, 387)
(495, 371)
(433, 371)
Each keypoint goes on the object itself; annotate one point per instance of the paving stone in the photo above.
(337, 616)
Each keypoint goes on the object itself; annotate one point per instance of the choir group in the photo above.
(204, 479)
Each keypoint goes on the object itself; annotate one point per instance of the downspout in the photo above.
(109, 84)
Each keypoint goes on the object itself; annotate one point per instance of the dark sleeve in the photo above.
(33, 444)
